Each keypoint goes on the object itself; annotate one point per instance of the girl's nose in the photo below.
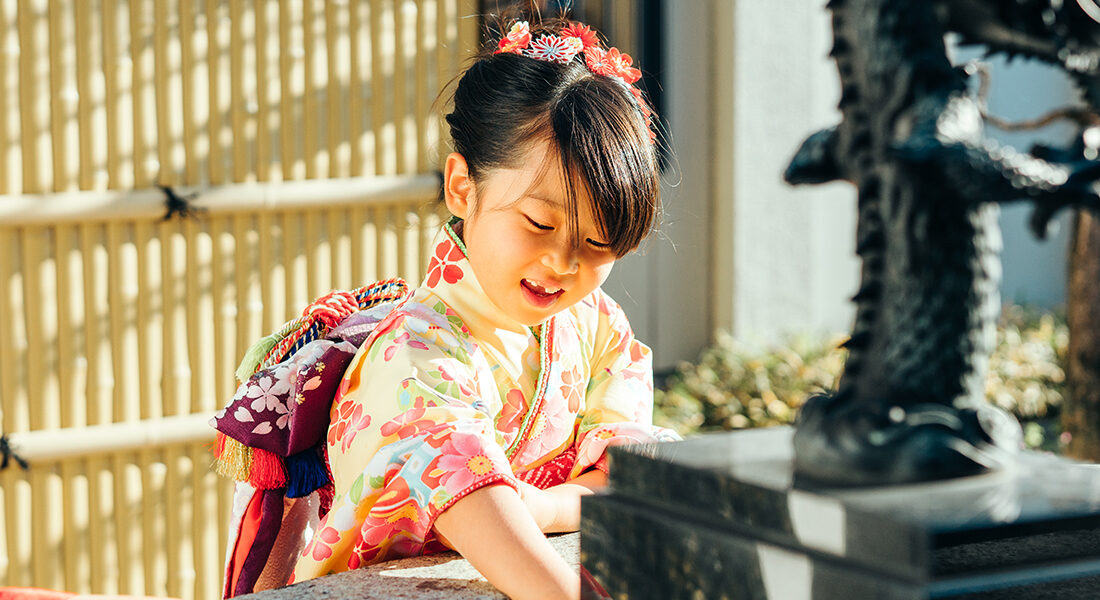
(562, 259)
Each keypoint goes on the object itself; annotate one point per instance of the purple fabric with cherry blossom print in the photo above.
(284, 408)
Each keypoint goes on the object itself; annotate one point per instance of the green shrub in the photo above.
(736, 386)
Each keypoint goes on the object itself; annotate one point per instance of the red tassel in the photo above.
(267, 471)
(219, 445)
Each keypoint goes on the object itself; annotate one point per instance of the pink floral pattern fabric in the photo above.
(448, 395)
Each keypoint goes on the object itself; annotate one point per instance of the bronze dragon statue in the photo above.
(910, 404)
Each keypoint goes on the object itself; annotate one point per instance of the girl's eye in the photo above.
(538, 225)
(595, 244)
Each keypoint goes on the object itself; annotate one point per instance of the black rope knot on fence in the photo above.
(8, 453)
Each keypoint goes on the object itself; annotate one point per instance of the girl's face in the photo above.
(517, 239)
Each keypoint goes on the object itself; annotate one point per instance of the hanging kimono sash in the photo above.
(271, 435)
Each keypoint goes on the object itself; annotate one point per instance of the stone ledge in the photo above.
(444, 575)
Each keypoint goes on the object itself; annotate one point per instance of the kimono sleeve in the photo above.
(412, 431)
(618, 406)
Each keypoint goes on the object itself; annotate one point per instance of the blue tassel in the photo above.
(305, 472)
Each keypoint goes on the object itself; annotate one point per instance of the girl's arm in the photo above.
(558, 508)
(493, 530)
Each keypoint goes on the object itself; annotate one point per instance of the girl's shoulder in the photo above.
(423, 321)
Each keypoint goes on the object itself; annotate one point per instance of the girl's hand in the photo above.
(558, 509)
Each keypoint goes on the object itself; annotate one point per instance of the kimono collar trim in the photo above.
(451, 277)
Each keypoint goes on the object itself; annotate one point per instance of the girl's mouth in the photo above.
(540, 295)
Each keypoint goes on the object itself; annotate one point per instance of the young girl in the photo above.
(480, 410)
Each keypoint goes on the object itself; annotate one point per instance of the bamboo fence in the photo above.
(308, 131)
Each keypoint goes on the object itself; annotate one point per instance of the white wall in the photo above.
(793, 255)
(739, 249)
(666, 288)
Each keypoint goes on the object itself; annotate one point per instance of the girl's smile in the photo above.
(539, 295)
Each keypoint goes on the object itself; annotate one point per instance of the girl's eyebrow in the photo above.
(543, 199)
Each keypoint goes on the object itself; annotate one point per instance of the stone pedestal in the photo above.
(720, 517)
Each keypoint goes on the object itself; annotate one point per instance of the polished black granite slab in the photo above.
(720, 516)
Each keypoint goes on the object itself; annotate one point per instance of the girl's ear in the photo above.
(458, 188)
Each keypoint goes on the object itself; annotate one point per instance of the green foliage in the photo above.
(736, 386)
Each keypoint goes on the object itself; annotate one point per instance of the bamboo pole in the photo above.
(129, 578)
(355, 245)
(51, 446)
(340, 248)
(11, 159)
(410, 242)
(116, 206)
(13, 391)
(423, 35)
(382, 149)
(45, 528)
(287, 102)
(33, 88)
(214, 85)
(188, 76)
(97, 336)
(445, 51)
(297, 290)
(261, 25)
(172, 511)
(123, 286)
(468, 35)
(16, 528)
(221, 303)
(236, 91)
(334, 92)
(85, 67)
(112, 91)
(310, 126)
(181, 368)
(169, 363)
(74, 521)
(98, 540)
(150, 522)
(197, 339)
(223, 489)
(424, 232)
(401, 126)
(390, 252)
(265, 256)
(33, 242)
(166, 94)
(358, 70)
(204, 537)
(314, 246)
(63, 95)
(150, 319)
(92, 151)
(140, 67)
(69, 286)
(248, 316)
(118, 324)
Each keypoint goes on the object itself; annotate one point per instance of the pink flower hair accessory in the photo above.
(575, 39)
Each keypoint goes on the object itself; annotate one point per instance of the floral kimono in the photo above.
(449, 395)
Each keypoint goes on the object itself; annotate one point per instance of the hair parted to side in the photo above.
(504, 102)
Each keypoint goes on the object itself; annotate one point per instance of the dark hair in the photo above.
(504, 102)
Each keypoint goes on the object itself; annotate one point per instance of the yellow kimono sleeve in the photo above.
(412, 431)
(618, 407)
